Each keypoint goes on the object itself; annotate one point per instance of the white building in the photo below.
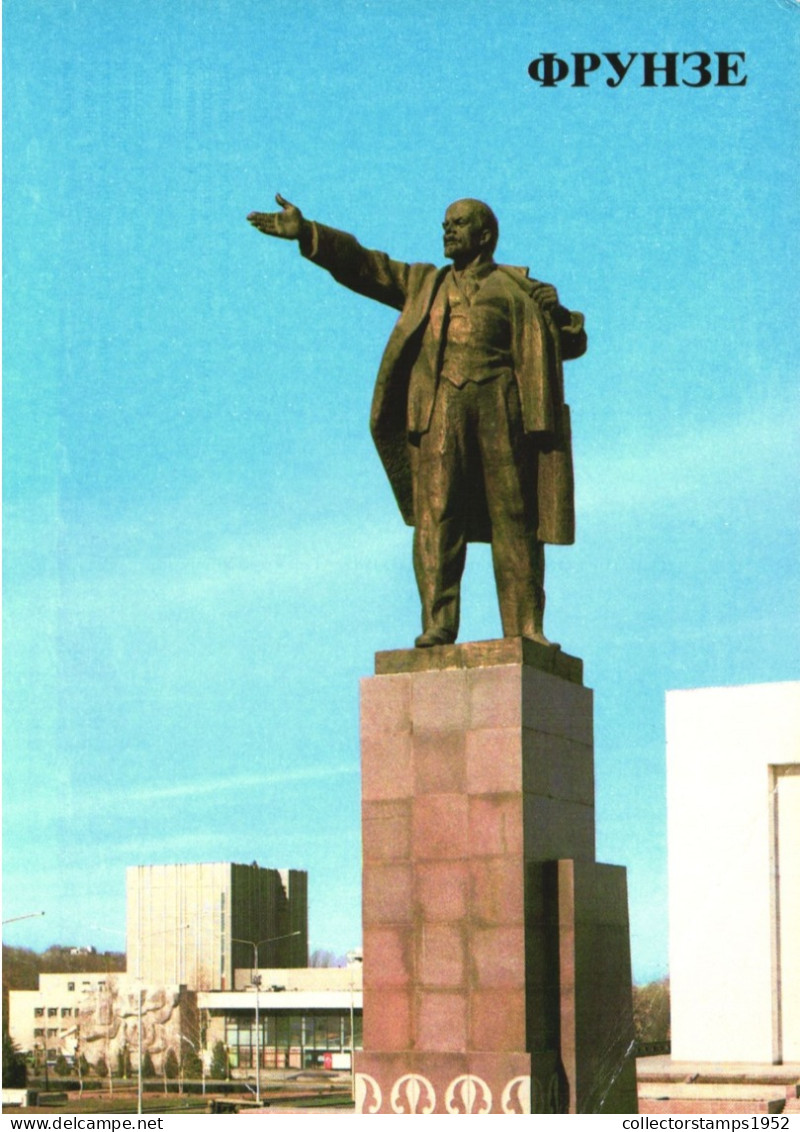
(733, 792)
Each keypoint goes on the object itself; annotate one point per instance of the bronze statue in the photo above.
(468, 413)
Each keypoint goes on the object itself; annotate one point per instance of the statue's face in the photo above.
(465, 232)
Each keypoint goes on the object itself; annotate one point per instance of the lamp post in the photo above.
(352, 1041)
(139, 993)
(256, 983)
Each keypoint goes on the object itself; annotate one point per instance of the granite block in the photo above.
(442, 890)
(439, 701)
(495, 825)
(388, 956)
(495, 697)
(439, 827)
(497, 957)
(441, 958)
(557, 707)
(385, 705)
(386, 830)
(387, 769)
(389, 1027)
(494, 761)
(440, 765)
(556, 829)
(497, 1021)
(497, 891)
(557, 767)
(387, 894)
(441, 1021)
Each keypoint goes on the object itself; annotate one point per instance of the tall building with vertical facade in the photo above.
(196, 924)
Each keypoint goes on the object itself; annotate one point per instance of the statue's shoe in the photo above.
(541, 639)
(433, 637)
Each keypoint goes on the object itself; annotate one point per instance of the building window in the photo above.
(38, 1032)
(66, 1011)
(290, 1040)
(52, 1033)
(38, 1012)
(52, 1012)
(70, 986)
(102, 984)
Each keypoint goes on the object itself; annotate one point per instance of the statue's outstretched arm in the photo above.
(370, 273)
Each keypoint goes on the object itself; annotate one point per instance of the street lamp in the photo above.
(256, 983)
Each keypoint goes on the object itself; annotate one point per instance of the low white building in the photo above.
(307, 1017)
(99, 1016)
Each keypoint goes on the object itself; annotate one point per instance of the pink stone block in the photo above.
(498, 957)
(497, 1021)
(388, 956)
(387, 1021)
(439, 826)
(493, 761)
(495, 825)
(441, 956)
(386, 830)
(439, 700)
(385, 705)
(497, 894)
(386, 893)
(495, 697)
(442, 890)
(439, 762)
(441, 1021)
(386, 766)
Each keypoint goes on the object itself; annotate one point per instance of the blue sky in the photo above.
(201, 551)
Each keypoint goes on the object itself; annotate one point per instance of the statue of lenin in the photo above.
(468, 412)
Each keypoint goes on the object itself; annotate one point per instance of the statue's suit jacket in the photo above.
(409, 371)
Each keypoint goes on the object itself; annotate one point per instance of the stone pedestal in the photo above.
(496, 958)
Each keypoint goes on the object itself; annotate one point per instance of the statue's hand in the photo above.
(287, 225)
(546, 296)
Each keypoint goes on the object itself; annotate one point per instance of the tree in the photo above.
(124, 1068)
(219, 1062)
(321, 957)
(15, 1071)
(651, 1017)
(61, 1066)
(171, 1065)
(148, 1069)
(101, 1069)
(192, 1065)
(85, 1068)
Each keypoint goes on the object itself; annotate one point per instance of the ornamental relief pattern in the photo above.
(467, 1094)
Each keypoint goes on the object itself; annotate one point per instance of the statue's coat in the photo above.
(406, 384)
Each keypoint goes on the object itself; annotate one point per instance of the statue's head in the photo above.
(470, 228)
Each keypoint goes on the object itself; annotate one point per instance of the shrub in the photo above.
(219, 1062)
